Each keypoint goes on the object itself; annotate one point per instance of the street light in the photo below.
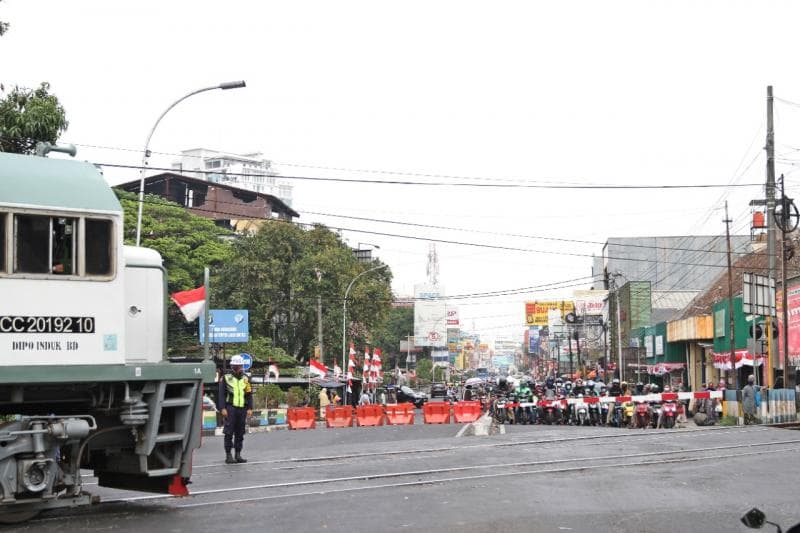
(344, 318)
(224, 86)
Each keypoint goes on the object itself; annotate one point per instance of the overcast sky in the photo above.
(533, 93)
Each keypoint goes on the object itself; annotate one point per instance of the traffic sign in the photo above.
(248, 361)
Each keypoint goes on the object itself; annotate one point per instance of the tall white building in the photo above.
(246, 171)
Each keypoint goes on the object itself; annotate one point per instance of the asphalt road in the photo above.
(424, 478)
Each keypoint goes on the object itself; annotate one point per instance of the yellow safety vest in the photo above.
(237, 388)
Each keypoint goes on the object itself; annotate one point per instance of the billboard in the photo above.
(430, 316)
(226, 325)
(589, 302)
(536, 312)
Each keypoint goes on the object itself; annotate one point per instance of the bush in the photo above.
(269, 396)
(728, 421)
(295, 395)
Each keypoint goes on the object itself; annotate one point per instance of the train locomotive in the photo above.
(84, 379)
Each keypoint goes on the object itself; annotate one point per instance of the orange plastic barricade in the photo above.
(339, 417)
(369, 415)
(436, 413)
(466, 412)
(301, 417)
(398, 414)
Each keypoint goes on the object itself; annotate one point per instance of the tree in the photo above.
(29, 116)
(187, 243)
(273, 274)
(398, 326)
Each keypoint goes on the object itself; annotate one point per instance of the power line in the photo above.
(456, 184)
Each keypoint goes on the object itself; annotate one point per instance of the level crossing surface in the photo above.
(423, 477)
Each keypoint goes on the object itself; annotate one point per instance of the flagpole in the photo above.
(206, 312)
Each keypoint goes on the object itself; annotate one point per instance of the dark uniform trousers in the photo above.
(235, 424)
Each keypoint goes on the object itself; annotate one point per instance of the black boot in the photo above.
(239, 458)
(229, 458)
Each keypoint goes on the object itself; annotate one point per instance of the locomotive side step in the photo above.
(169, 437)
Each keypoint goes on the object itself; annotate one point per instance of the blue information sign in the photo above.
(248, 361)
(226, 325)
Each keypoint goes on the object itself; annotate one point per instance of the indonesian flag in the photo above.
(273, 369)
(376, 364)
(337, 371)
(365, 370)
(191, 303)
(351, 366)
(317, 368)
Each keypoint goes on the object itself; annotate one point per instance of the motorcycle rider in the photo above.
(524, 395)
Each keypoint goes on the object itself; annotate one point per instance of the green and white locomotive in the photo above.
(84, 379)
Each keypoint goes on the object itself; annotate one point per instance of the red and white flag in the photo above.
(191, 303)
(352, 351)
(273, 369)
(337, 371)
(365, 370)
(377, 365)
(317, 368)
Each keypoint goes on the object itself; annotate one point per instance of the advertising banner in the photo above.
(589, 302)
(430, 316)
(793, 301)
(533, 339)
(536, 312)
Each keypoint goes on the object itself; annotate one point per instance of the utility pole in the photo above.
(731, 314)
(569, 340)
(319, 317)
(770, 148)
(788, 377)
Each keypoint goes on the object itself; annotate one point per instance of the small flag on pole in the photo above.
(273, 369)
(316, 368)
(191, 303)
(337, 371)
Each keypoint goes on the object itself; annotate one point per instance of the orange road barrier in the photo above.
(301, 417)
(399, 414)
(466, 412)
(436, 413)
(369, 415)
(339, 417)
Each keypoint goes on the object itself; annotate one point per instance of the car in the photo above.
(408, 395)
(438, 389)
(208, 404)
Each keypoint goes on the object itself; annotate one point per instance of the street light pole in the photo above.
(344, 319)
(224, 86)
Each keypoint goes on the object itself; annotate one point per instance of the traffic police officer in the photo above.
(236, 405)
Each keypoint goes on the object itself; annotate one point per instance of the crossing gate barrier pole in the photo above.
(301, 417)
(436, 413)
(339, 417)
(468, 411)
(399, 414)
(369, 415)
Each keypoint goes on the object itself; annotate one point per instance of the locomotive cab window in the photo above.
(98, 247)
(45, 245)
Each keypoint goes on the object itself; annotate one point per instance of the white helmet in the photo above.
(237, 360)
